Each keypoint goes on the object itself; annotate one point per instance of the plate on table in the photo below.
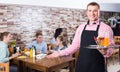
(22, 57)
(40, 56)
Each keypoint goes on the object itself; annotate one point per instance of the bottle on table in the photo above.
(33, 51)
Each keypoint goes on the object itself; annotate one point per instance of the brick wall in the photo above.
(26, 20)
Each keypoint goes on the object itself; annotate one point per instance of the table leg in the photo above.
(47, 70)
(21, 66)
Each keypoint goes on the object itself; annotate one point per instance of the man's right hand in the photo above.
(103, 51)
(54, 54)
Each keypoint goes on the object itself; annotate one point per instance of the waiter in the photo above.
(89, 60)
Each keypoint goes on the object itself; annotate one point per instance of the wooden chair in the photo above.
(117, 42)
(76, 54)
(4, 67)
(116, 52)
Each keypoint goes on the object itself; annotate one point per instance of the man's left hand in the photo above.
(103, 51)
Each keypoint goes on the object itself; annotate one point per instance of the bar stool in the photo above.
(117, 51)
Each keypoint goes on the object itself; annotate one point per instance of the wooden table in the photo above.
(46, 65)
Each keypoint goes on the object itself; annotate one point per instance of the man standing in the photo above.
(89, 60)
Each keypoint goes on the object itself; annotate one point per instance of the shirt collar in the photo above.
(95, 23)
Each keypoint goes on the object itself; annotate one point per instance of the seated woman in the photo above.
(58, 31)
(39, 44)
(61, 43)
(4, 57)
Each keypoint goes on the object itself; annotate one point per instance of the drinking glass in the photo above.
(103, 39)
(106, 39)
(100, 41)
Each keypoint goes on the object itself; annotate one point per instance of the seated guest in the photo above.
(40, 45)
(4, 57)
(61, 43)
(5, 38)
(58, 31)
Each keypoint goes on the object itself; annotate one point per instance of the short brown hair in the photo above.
(3, 34)
(38, 33)
(93, 4)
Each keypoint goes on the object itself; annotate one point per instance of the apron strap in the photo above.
(97, 26)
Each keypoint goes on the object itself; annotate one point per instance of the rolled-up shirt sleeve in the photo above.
(4, 55)
(111, 42)
(75, 44)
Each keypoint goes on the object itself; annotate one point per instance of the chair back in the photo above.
(117, 39)
(4, 67)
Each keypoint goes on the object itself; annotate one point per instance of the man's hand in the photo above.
(53, 55)
(15, 55)
(103, 51)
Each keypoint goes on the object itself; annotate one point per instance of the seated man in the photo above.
(40, 45)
